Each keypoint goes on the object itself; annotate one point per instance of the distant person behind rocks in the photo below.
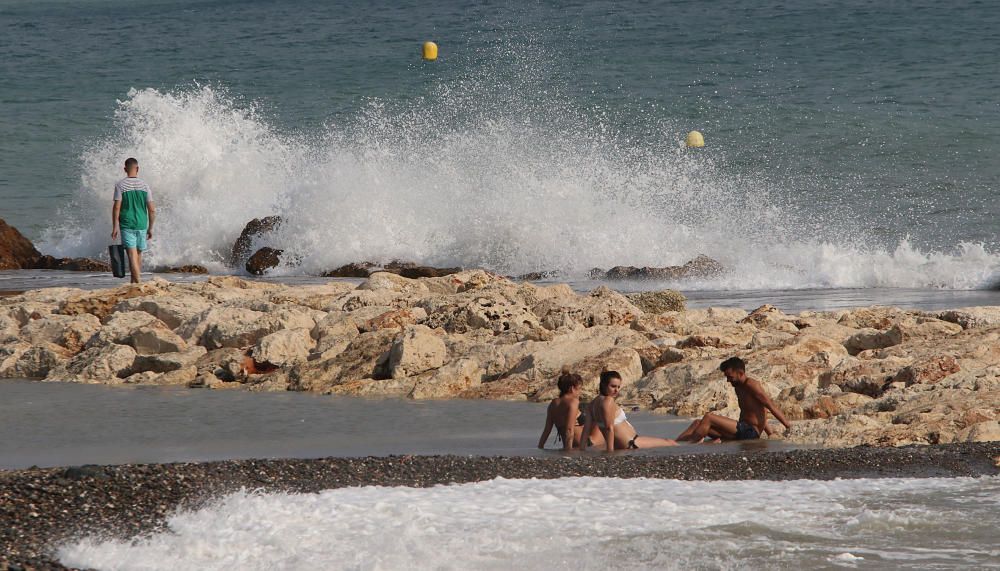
(564, 414)
(614, 426)
(132, 215)
(754, 404)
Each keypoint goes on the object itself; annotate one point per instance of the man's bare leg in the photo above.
(688, 432)
(710, 426)
(134, 263)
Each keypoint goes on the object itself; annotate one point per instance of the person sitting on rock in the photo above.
(564, 413)
(754, 404)
(618, 432)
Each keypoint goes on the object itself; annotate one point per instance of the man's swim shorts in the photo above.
(135, 239)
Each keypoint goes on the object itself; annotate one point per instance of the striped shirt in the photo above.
(134, 194)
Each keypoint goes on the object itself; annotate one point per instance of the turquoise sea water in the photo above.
(850, 144)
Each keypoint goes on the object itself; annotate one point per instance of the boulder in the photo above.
(237, 327)
(16, 251)
(700, 267)
(153, 340)
(482, 309)
(106, 364)
(365, 357)
(352, 270)
(256, 229)
(9, 354)
(36, 362)
(412, 270)
(868, 339)
(624, 360)
(166, 362)
(186, 269)
(449, 381)
(283, 347)
(875, 317)
(171, 310)
(685, 389)
(317, 297)
(927, 370)
(101, 303)
(395, 319)
(658, 301)
(868, 377)
(589, 349)
(972, 317)
(603, 306)
(10, 328)
(263, 260)
(71, 264)
(392, 282)
(416, 350)
(69, 331)
(988, 431)
(335, 332)
(120, 326)
(215, 317)
(226, 364)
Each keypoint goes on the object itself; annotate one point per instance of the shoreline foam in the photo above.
(44, 507)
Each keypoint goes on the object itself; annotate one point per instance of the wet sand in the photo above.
(39, 508)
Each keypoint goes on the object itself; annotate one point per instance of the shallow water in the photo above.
(581, 523)
(60, 424)
(790, 301)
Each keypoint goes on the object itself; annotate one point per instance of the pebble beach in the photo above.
(43, 507)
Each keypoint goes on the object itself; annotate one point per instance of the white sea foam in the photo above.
(579, 523)
(475, 175)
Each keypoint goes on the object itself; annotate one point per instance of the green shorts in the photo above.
(134, 239)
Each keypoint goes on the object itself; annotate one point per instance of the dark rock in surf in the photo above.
(405, 269)
(352, 270)
(414, 271)
(188, 269)
(16, 251)
(256, 228)
(538, 276)
(71, 264)
(700, 267)
(263, 260)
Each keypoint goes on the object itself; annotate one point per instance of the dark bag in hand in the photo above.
(117, 254)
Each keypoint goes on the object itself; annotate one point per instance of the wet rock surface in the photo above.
(40, 508)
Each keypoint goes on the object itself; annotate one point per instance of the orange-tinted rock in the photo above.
(16, 251)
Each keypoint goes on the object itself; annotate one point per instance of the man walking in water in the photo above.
(754, 404)
(133, 214)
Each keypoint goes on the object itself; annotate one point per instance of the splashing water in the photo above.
(481, 172)
(578, 523)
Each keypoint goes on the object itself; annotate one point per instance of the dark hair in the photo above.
(131, 163)
(734, 363)
(606, 378)
(567, 381)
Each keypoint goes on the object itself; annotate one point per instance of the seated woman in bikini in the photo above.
(618, 432)
(564, 413)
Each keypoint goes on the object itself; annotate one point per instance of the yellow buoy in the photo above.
(694, 139)
(430, 51)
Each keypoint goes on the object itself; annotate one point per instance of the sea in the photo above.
(850, 158)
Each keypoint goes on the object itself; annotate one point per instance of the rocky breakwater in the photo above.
(880, 375)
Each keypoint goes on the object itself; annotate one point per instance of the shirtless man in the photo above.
(754, 404)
